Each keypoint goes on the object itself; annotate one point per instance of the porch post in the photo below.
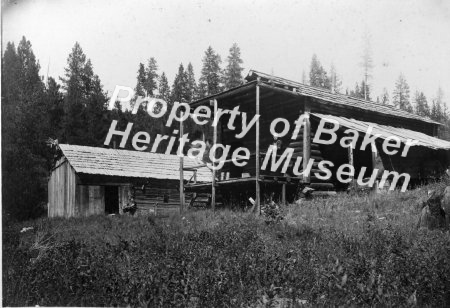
(351, 162)
(258, 192)
(181, 170)
(374, 162)
(306, 145)
(213, 183)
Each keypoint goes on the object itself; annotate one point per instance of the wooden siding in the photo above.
(90, 200)
(124, 196)
(62, 190)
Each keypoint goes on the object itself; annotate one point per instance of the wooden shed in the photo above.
(89, 180)
(273, 97)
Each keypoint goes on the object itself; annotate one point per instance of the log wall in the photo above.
(160, 195)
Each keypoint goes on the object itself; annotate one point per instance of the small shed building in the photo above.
(88, 180)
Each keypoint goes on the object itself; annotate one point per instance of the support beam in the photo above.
(351, 162)
(283, 194)
(213, 182)
(181, 171)
(306, 144)
(258, 189)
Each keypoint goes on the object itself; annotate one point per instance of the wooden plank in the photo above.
(96, 200)
(64, 191)
(83, 192)
(50, 195)
(71, 192)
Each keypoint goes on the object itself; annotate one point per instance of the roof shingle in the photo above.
(112, 162)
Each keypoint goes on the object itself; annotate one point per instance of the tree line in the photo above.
(401, 97)
(73, 109)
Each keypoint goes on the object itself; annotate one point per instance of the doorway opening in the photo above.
(112, 199)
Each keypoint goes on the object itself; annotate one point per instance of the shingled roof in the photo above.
(112, 162)
(336, 98)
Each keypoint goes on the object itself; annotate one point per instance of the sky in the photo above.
(410, 37)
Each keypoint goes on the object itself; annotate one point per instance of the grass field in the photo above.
(345, 251)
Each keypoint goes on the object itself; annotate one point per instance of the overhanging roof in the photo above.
(387, 131)
(335, 98)
(124, 163)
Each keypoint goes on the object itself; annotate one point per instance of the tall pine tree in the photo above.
(210, 79)
(233, 71)
(367, 65)
(141, 79)
(385, 97)
(400, 96)
(437, 109)
(151, 80)
(84, 101)
(180, 90)
(421, 104)
(317, 75)
(164, 88)
(191, 83)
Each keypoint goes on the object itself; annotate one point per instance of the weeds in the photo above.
(344, 251)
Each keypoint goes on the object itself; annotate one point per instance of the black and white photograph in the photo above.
(236, 153)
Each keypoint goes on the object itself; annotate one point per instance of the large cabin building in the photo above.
(273, 97)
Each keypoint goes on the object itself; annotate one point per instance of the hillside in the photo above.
(348, 250)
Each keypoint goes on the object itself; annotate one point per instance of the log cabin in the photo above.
(273, 97)
(93, 181)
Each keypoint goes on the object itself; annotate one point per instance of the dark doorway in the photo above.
(112, 200)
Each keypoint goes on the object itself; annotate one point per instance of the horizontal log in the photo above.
(317, 157)
(296, 144)
(322, 186)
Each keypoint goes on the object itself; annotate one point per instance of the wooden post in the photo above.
(258, 189)
(374, 162)
(283, 194)
(213, 185)
(306, 145)
(181, 171)
(351, 162)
